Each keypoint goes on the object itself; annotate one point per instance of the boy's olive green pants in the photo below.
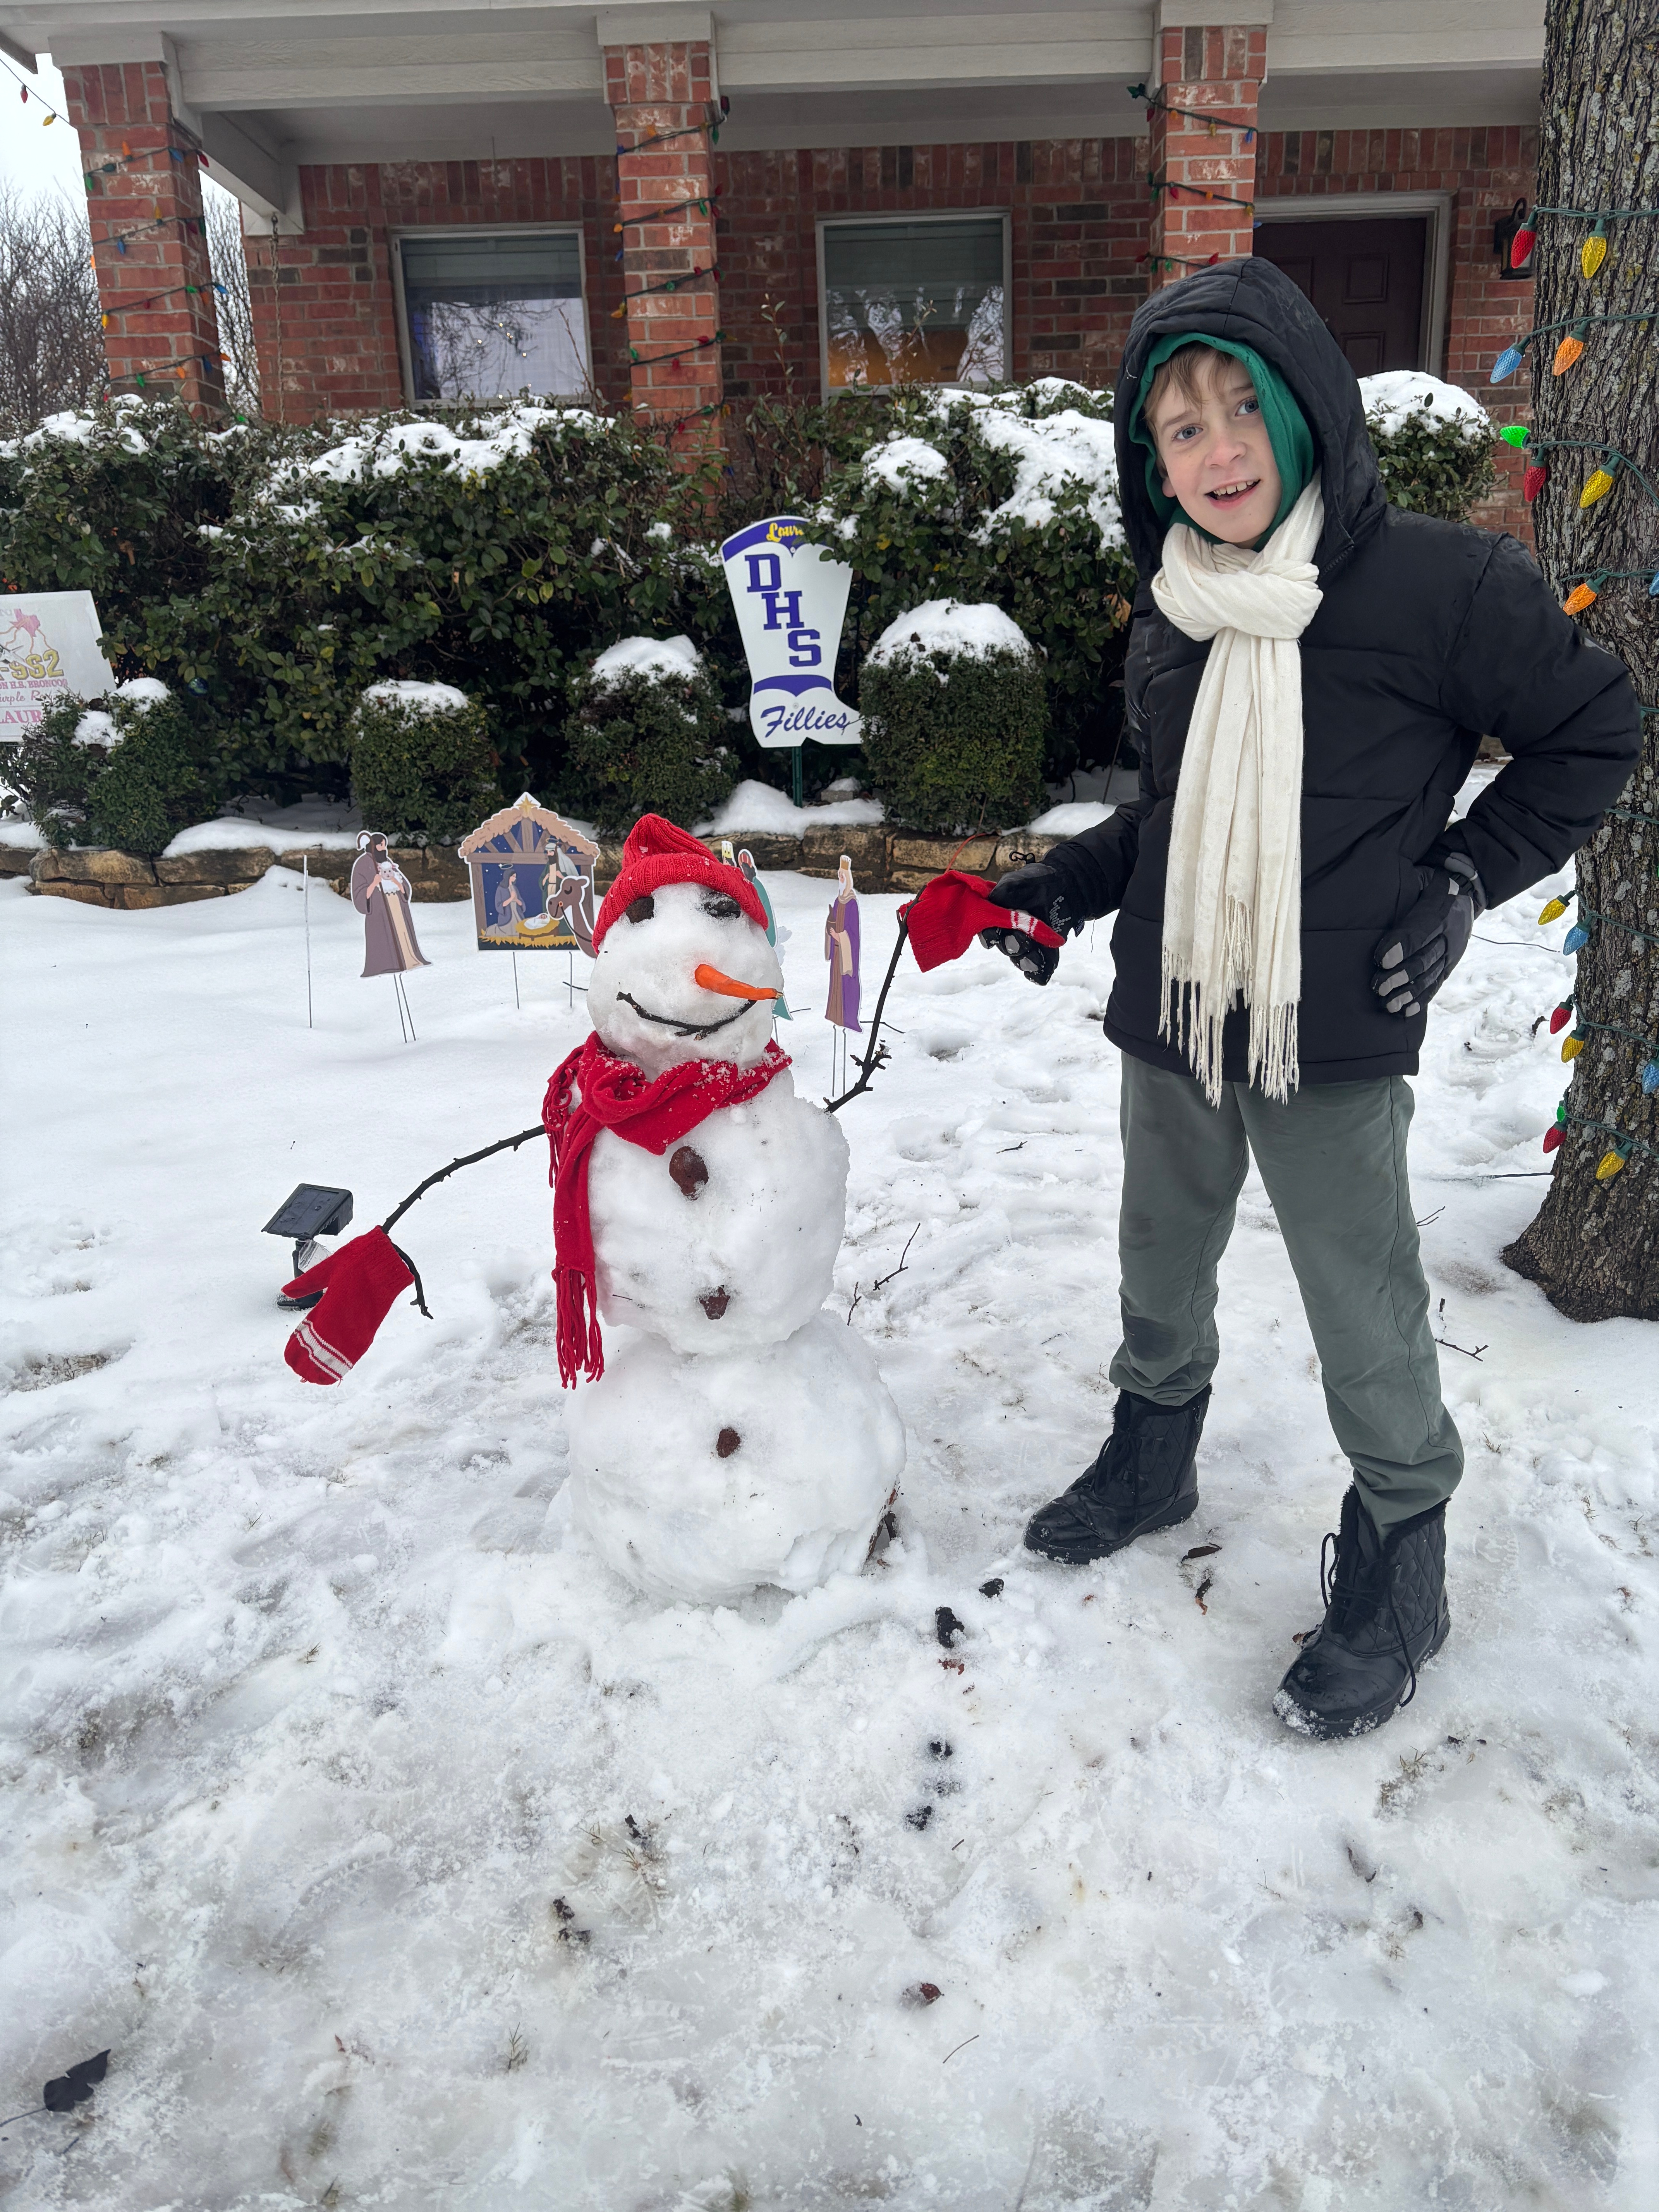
(1334, 1159)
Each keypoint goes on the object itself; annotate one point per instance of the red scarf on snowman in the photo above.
(596, 1088)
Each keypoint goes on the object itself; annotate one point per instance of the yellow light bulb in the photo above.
(1554, 910)
(1608, 1166)
(1593, 252)
(1571, 1046)
(1600, 484)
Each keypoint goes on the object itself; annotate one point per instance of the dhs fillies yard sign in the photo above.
(791, 599)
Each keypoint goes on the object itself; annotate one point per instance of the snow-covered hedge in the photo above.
(647, 734)
(421, 767)
(1434, 443)
(956, 714)
(271, 575)
(129, 770)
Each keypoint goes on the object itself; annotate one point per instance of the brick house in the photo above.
(444, 196)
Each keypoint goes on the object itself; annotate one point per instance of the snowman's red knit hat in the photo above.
(657, 854)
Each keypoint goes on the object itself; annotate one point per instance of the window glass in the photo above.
(490, 317)
(918, 302)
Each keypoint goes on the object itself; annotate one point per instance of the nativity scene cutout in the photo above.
(532, 882)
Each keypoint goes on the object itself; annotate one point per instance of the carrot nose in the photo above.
(712, 980)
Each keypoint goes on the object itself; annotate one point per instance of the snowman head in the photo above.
(683, 970)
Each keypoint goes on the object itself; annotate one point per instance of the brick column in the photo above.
(655, 88)
(148, 234)
(1211, 69)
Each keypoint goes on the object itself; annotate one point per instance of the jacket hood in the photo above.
(1256, 305)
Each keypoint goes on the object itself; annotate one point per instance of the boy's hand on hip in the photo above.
(1418, 954)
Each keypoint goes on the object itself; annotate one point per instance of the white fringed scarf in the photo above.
(1233, 904)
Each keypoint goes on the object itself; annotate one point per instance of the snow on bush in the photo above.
(422, 767)
(651, 659)
(647, 735)
(904, 457)
(1392, 398)
(943, 631)
(128, 771)
(956, 714)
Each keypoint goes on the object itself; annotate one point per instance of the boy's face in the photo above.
(1214, 452)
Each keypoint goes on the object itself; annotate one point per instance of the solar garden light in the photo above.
(308, 1212)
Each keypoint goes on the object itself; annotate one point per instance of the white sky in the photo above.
(31, 157)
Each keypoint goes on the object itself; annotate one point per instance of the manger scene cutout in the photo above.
(532, 882)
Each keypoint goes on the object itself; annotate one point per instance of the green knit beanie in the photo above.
(1287, 428)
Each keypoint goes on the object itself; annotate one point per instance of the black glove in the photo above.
(1418, 954)
(1034, 889)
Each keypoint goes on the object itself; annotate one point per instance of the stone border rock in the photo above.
(883, 861)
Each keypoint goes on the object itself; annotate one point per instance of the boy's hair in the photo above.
(1187, 370)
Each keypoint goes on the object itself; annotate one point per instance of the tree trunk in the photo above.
(1593, 1249)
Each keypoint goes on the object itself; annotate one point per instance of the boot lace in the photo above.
(1333, 1585)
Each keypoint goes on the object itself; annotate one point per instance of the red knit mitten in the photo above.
(358, 1282)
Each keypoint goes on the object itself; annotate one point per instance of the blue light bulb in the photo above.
(1575, 938)
(1506, 364)
(1651, 1078)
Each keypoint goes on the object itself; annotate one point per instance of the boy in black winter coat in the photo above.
(1309, 673)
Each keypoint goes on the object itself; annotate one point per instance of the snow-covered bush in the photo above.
(422, 767)
(956, 714)
(647, 735)
(130, 770)
(1009, 499)
(1434, 443)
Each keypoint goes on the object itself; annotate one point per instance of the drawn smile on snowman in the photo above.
(718, 907)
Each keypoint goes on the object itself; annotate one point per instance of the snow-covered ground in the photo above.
(402, 1857)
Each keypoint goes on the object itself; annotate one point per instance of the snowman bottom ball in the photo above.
(703, 1477)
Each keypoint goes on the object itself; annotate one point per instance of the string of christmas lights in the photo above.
(1594, 250)
(51, 115)
(130, 161)
(1600, 482)
(1587, 584)
(136, 306)
(711, 123)
(678, 354)
(1612, 1160)
(1570, 348)
(1156, 102)
(174, 365)
(671, 284)
(673, 207)
(118, 238)
(1199, 192)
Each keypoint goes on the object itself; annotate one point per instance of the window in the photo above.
(492, 314)
(920, 302)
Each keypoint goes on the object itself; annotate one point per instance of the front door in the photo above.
(1364, 278)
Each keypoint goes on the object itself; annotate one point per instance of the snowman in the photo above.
(739, 1435)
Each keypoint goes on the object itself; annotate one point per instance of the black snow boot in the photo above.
(1145, 1477)
(1385, 1616)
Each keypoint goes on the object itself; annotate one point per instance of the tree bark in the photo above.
(1593, 1249)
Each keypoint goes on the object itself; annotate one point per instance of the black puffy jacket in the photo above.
(1430, 634)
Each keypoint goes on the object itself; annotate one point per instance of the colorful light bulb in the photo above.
(1572, 1046)
(1553, 1137)
(1568, 349)
(1611, 1162)
(1576, 939)
(1522, 244)
(1650, 1078)
(1594, 250)
(1533, 477)
(1580, 596)
(1555, 911)
(1601, 481)
(1517, 434)
(1561, 1017)
(1506, 365)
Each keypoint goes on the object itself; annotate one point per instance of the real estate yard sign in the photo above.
(791, 599)
(49, 646)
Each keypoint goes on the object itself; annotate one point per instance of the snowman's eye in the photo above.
(642, 910)
(720, 906)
